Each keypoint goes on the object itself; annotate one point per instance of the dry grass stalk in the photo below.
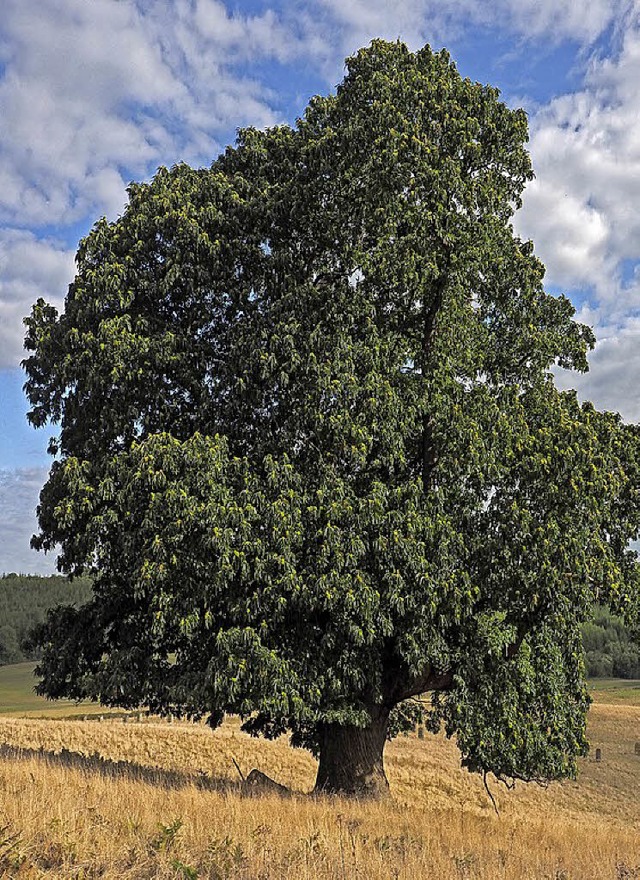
(168, 803)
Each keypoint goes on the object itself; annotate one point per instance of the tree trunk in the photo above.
(351, 759)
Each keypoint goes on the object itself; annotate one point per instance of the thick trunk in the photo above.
(351, 759)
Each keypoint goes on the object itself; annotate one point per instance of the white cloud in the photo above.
(614, 377)
(583, 211)
(109, 188)
(572, 237)
(92, 94)
(557, 20)
(420, 21)
(19, 493)
(29, 268)
(244, 36)
(63, 99)
(116, 88)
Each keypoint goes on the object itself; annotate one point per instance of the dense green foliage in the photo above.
(24, 602)
(611, 648)
(310, 445)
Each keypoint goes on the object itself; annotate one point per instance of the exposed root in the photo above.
(258, 783)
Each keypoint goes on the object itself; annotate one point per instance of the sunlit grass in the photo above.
(169, 803)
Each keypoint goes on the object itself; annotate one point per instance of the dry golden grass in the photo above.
(175, 809)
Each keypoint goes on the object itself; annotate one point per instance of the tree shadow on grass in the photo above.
(95, 763)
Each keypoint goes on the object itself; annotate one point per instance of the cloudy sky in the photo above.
(95, 94)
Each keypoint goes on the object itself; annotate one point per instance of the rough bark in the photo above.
(421, 684)
(351, 758)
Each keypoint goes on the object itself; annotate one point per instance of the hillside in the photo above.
(610, 648)
(168, 803)
(24, 601)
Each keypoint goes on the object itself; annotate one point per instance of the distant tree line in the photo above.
(611, 650)
(24, 601)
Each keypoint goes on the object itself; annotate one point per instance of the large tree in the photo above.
(311, 450)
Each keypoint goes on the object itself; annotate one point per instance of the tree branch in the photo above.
(428, 681)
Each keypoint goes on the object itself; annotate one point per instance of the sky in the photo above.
(96, 94)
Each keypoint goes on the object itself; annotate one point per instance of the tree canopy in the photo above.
(310, 448)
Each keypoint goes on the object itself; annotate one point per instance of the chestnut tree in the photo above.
(311, 450)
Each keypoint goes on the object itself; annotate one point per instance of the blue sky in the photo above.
(95, 94)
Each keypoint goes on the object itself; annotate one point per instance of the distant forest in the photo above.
(24, 601)
(610, 649)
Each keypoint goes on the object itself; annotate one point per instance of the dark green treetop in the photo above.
(310, 447)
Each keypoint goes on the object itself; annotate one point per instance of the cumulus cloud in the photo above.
(29, 268)
(94, 93)
(420, 21)
(614, 378)
(582, 210)
(19, 492)
(244, 36)
(557, 20)
(71, 69)
(572, 236)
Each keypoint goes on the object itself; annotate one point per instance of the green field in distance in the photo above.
(17, 697)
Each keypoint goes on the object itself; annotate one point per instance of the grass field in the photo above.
(615, 690)
(17, 696)
(88, 799)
